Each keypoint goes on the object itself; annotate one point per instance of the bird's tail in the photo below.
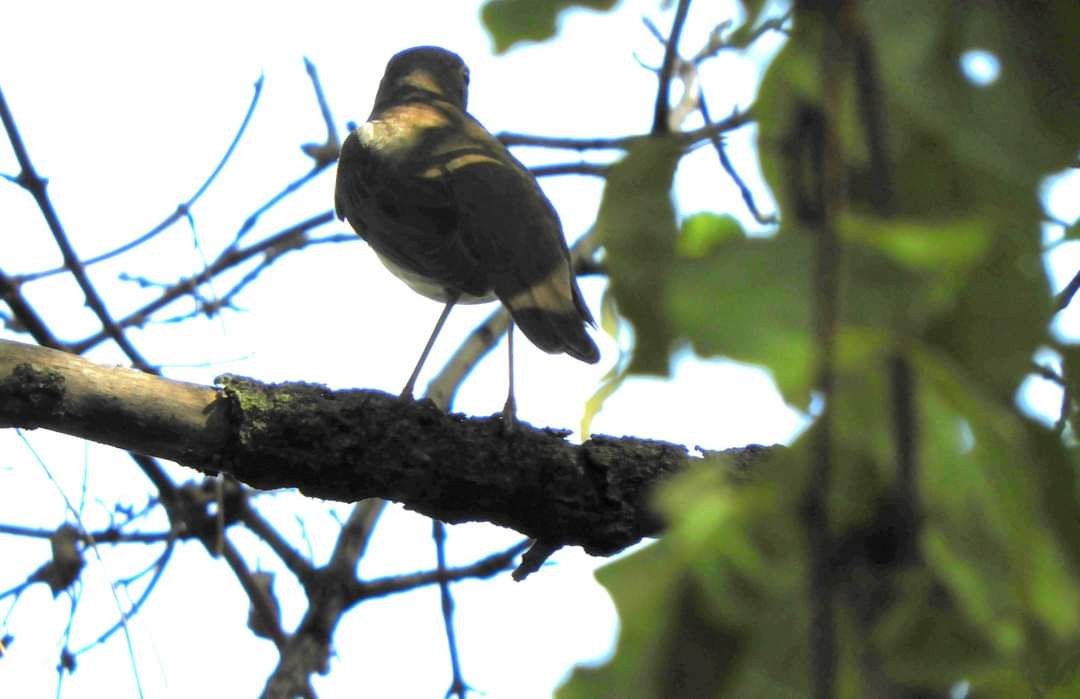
(552, 314)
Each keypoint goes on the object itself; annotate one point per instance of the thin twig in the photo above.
(300, 567)
(66, 663)
(289, 239)
(688, 75)
(257, 595)
(212, 307)
(484, 568)
(1065, 296)
(593, 169)
(182, 211)
(1048, 373)
(458, 687)
(324, 154)
(327, 152)
(719, 42)
(725, 162)
(33, 183)
(97, 554)
(687, 138)
(26, 316)
(105, 536)
(159, 569)
(660, 114)
(293, 186)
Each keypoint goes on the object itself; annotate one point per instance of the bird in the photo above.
(451, 212)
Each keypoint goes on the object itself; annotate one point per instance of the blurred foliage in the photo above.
(636, 223)
(512, 21)
(929, 182)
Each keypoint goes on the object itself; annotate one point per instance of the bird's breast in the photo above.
(400, 128)
(424, 285)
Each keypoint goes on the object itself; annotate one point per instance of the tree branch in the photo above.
(687, 138)
(661, 124)
(354, 444)
(182, 210)
(35, 185)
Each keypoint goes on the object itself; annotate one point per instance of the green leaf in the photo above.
(1024, 124)
(749, 300)
(612, 382)
(743, 35)
(636, 226)
(1001, 511)
(1072, 232)
(999, 318)
(512, 21)
(641, 586)
(921, 245)
(1070, 367)
(704, 231)
(706, 611)
(926, 640)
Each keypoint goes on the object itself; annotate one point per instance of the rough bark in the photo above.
(354, 444)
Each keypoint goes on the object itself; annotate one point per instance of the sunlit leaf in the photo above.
(704, 231)
(513, 21)
(928, 244)
(613, 380)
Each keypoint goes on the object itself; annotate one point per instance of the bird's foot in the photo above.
(509, 416)
(407, 392)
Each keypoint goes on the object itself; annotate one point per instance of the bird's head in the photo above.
(424, 69)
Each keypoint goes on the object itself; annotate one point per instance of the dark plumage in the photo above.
(450, 211)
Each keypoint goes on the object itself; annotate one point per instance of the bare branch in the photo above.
(300, 567)
(259, 596)
(33, 183)
(593, 169)
(105, 536)
(661, 123)
(325, 153)
(687, 138)
(273, 201)
(182, 211)
(725, 162)
(1065, 296)
(25, 318)
(159, 569)
(352, 445)
(484, 568)
(292, 238)
(458, 686)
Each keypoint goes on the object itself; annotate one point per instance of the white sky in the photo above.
(126, 107)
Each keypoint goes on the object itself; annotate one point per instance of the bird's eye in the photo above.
(465, 74)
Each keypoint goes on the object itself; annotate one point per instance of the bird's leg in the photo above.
(509, 413)
(407, 392)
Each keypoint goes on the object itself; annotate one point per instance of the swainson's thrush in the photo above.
(451, 212)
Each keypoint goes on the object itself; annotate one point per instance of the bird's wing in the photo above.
(406, 217)
(508, 225)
